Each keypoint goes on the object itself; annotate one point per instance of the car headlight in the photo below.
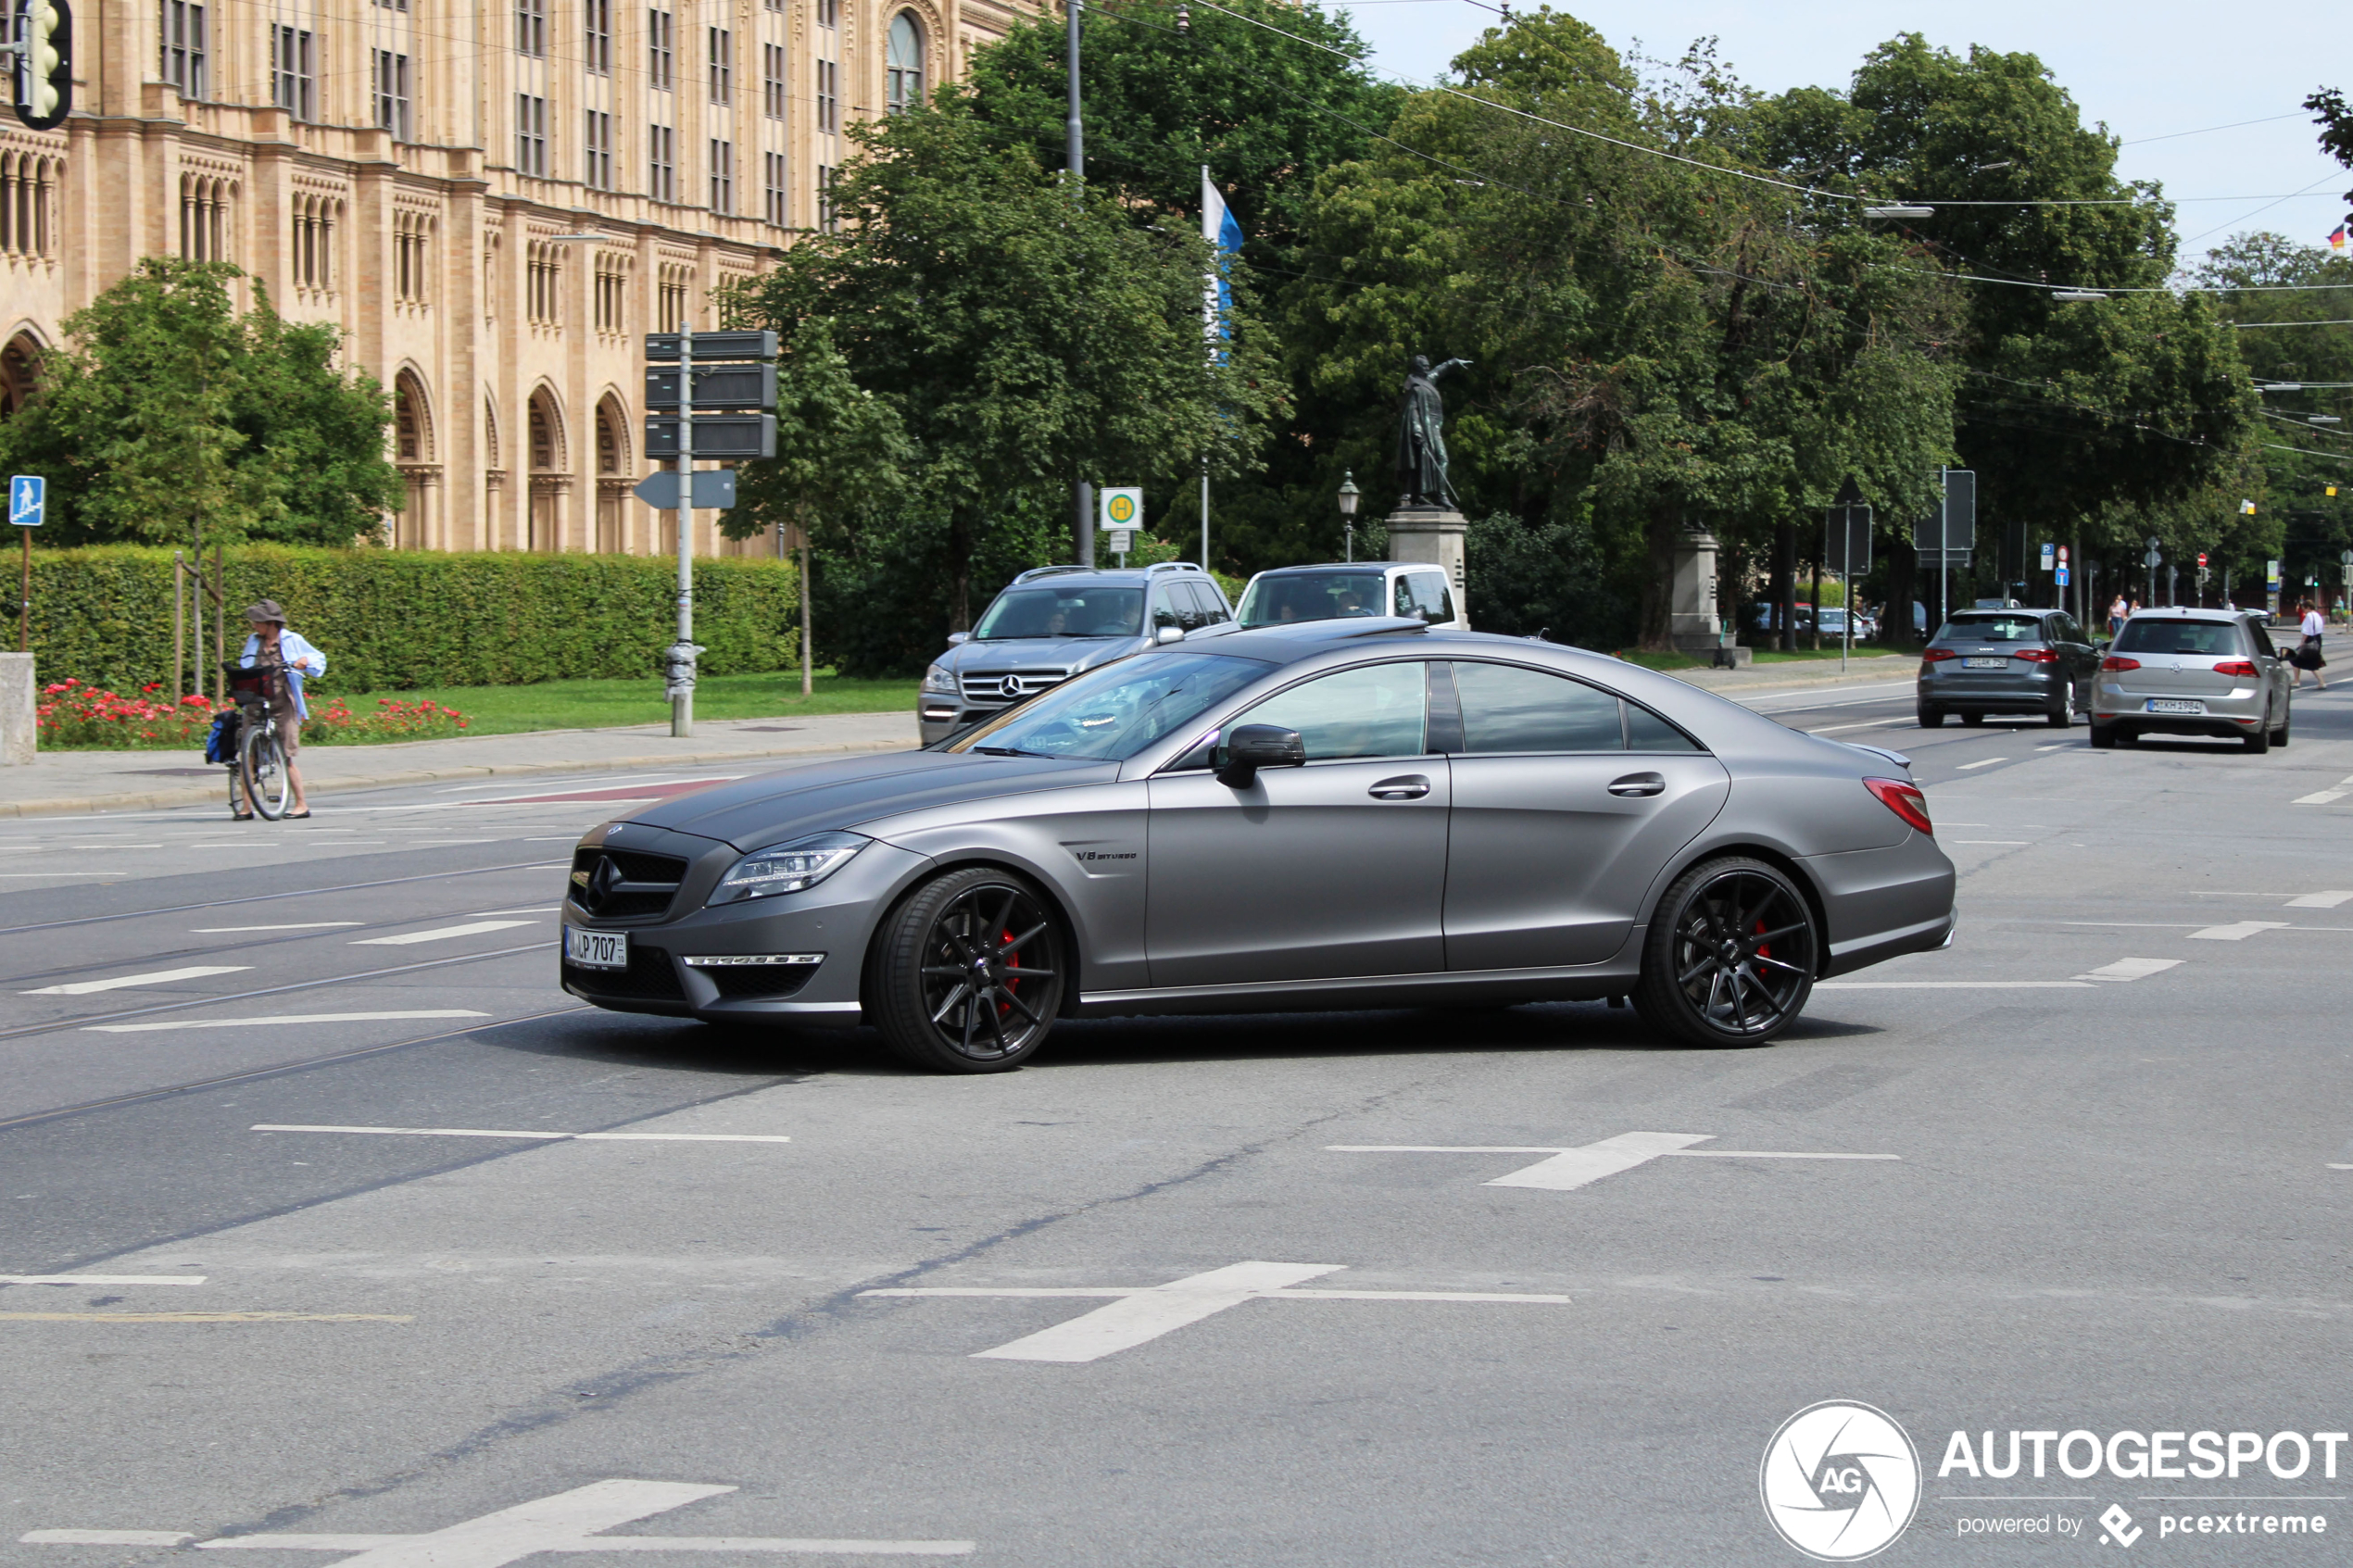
(938, 678)
(788, 868)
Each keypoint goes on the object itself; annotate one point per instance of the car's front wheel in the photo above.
(1730, 957)
(968, 972)
(2060, 715)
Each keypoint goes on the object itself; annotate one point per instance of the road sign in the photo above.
(28, 499)
(2062, 554)
(715, 489)
(716, 436)
(1846, 539)
(716, 386)
(713, 345)
(1953, 526)
(1119, 508)
(2153, 559)
(2201, 559)
(2061, 577)
(1119, 541)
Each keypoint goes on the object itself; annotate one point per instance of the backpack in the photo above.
(221, 745)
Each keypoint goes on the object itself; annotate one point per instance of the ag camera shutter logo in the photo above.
(1840, 1481)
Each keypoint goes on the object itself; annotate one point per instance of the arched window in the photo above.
(547, 435)
(490, 430)
(412, 421)
(610, 453)
(19, 370)
(906, 63)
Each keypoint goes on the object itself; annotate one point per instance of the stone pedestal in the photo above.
(1694, 619)
(16, 710)
(1431, 535)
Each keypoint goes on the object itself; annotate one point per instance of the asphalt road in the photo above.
(2107, 1192)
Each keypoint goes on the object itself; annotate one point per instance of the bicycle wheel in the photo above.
(262, 764)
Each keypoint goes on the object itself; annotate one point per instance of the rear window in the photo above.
(1992, 629)
(2153, 635)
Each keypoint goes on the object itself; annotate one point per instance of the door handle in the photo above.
(1413, 786)
(1638, 784)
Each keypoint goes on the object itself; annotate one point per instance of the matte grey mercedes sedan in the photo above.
(1336, 814)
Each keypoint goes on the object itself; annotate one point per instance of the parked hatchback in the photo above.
(1986, 661)
(2193, 672)
(1050, 623)
(1349, 591)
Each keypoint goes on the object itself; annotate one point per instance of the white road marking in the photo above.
(1953, 986)
(1987, 763)
(107, 1537)
(305, 925)
(1143, 1314)
(110, 846)
(2320, 797)
(2131, 969)
(2238, 931)
(1866, 724)
(439, 934)
(2061, 746)
(497, 1133)
(542, 909)
(1571, 1167)
(2336, 1167)
(153, 977)
(569, 1521)
(281, 1018)
(101, 1279)
(2328, 900)
(2004, 843)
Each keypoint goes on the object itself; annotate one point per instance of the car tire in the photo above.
(2278, 736)
(956, 928)
(2062, 716)
(1703, 983)
(1972, 718)
(2103, 735)
(1932, 718)
(2259, 742)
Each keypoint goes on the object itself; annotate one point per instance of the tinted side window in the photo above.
(1646, 731)
(1165, 610)
(2262, 639)
(1432, 601)
(1376, 710)
(1507, 708)
(1211, 608)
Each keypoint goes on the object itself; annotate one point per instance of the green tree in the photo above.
(172, 418)
(1022, 334)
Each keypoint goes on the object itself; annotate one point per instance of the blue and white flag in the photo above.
(1220, 229)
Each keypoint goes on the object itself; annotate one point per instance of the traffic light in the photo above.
(44, 62)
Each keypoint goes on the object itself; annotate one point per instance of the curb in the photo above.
(1903, 667)
(195, 795)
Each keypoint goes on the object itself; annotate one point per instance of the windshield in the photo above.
(1992, 629)
(1114, 712)
(2178, 636)
(1313, 596)
(1073, 611)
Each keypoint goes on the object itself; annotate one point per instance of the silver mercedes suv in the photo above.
(1050, 623)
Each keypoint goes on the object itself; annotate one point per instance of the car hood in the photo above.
(773, 807)
(1035, 653)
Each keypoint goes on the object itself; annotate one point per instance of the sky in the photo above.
(2152, 72)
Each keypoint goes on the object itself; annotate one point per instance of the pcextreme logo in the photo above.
(1840, 1481)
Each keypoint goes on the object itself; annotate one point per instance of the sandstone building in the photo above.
(496, 201)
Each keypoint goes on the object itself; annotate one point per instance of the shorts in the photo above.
(289, 728)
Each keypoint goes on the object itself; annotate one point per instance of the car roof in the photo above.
(2187, 613)
(1168, 571)
(1346, 566)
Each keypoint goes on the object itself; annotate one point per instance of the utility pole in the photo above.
(682, 679)
(1082, 519)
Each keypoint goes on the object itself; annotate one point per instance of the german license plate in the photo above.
(596, 950)
(2173, 704)
(1983, 663)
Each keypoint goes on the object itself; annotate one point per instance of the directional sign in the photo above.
(716, 386)
(715, 489)
(1120, 507)
(28, 498)
(714, 345)
(716, 436)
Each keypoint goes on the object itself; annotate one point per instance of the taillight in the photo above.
(1938, 656)
(2113, 662)
(1904, 799)
(2240, 667)
(2037, 655)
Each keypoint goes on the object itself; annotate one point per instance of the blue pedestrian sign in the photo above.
(28, 495)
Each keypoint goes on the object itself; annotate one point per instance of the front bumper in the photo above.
(832, 921)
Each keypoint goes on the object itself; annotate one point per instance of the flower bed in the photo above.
(72, 716)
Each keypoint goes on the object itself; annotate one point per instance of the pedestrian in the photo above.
(2307, 654)
(2115, 614)
(287, 658)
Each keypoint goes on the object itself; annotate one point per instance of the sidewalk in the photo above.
(1764, 680)
(60, 783)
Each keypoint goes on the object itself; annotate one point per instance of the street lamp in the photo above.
(2075, 295)
(1899, 209)
(1347, 495)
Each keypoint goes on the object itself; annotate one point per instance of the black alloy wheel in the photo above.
(1730, 955)
(968, 973)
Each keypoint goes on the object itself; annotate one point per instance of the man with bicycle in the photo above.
(284, 658)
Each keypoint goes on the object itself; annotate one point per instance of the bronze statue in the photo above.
(1421, 444)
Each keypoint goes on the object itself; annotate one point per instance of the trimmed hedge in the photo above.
(393, 620)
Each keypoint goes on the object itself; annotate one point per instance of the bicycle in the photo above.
(261, 759)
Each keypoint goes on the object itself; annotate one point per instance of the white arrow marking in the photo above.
(1573, 1167)
(1140, 1313)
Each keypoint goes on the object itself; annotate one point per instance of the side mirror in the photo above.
(956, 637)
(1163, 635)
(1254, 746)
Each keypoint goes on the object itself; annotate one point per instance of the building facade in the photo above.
(495, 202)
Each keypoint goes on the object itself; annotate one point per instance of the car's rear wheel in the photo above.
(2060, 715)
(1932, 718)
(2259, 742)
(1730, 957)
(968, 972)
(2278, 736)
(2103, 735)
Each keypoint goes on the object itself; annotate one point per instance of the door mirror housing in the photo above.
(1253, 747)
(957, 639)
(1163, 635)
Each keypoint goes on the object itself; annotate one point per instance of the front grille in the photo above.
(650, 978)
(646, 882)
(994, 688)
(759, 981)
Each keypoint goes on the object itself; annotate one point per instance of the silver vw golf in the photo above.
(1338, 814)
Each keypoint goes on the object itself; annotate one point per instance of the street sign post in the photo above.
(2271, 588)
(28, 501)
(1950, 531)
(1119, 512)
(1847, 549)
